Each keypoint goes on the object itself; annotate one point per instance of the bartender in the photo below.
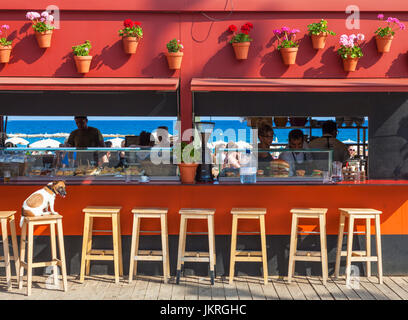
(298, 161)
(85, 137)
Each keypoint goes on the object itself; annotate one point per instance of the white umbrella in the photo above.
(45, 143)
(116, 143)
(17, 140)
(349, 141)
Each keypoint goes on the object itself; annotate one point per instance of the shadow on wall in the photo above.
(371, 59)
(156, 66)
(272, 65)
(331, 65)
(399, 66)
(114, 56)
(306, 51)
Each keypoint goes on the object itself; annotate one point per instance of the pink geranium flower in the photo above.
(380, 16)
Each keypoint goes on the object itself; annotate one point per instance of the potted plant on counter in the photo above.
(385, 35)
(43, 28)
(287, 45)
(82, 57)
(5, 45)
(241, 41)
(350, 50)
(188, 164)
(131, 35)
(174, 55)
(318, 32)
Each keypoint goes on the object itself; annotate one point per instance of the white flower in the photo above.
(360, 37)
(344, 36)
(50, 18)
(44, 14)
(36, 15)
(352, 36)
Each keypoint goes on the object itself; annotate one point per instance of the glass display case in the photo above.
(118, 164)
(274, 165)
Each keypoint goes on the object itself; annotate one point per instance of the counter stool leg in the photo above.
(339, 244)
(164, 247)
(15, 246)
(263, 245)
(133, 249)
(368, 246)
(30, 258)
(89, 246)
(233, 247)
(323, 248)
(379, 252)
(211, 237)
(84, 247)
(54, 252)
(292, 250)
(182, 235)
(120, 247)
(23, 241)
(62, 254)
(349, 249)
(115, 247)
(168, 255)
(6, 252)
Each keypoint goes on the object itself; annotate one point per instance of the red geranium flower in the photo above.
(250, 25)
(245, 29)
(128, 23)
(137, 23)
(232, 28)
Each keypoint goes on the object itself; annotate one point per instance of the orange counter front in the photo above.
(387, 196)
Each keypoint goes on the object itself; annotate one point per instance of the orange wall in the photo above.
(277, 199)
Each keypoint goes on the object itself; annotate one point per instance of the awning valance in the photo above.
(300, 85)
(89, 84)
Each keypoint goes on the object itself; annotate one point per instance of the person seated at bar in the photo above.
(265, 136)
(85, 137)
(298, 161)
(352, 152)
(329, 141)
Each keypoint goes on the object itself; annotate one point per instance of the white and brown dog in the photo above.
(41, 202)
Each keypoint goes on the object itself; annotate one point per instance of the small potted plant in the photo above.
(174, 55)
(5, 45)
(43, 28)
(350, 50)
(287, 45)
(187, 165)
(131, 34)
(318, 32)
(241, 41)
(82, 57)
(385, 35)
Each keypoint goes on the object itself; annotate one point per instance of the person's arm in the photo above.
(70, 141)
(101, 143)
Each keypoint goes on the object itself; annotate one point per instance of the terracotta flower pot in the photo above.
(241, 49)
(174, 59)
(5, 54)
(384, 43)
(83, 63)
(188, 172)
(288, 55)
(130, 44)
(350, 64)
(44, 38)
(280, 121)
(319, 40)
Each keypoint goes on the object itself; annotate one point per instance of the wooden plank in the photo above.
(231, 292)
(374, 291)
(401, 282)
(396, 288)
(165, 291)
(256, 290)
(348, 292)
(242, 288)
(191, 292)
(178, 291)
(140, 288)
(321, 290)
(335, 290)
(127, 290)
(362, 292)
(295, 291)
(306, 288)
(112, 292)
(282, 290)
(204, 288)
(384, 288)
(152, 290)
(270, 291)
(217, 290)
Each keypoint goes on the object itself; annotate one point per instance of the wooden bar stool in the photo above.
(8, 216)
(193, 256)
(361, 256)
(28, 227)
(298, 255)
(149, 255)
(248, 255)
(88, 253)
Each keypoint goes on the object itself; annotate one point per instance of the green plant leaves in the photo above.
(319, 27)
(82, 49)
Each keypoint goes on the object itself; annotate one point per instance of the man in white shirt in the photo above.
(329, 141)
(298, 161)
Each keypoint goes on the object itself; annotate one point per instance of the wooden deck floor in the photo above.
(198, 288)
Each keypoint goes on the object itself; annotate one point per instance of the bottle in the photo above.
(247, 171)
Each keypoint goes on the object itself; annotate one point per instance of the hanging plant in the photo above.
(174, 55)
(385, 35)
(82, 57)
(318, 32)
(350, 50)
(5, 45)
(241, 41)
(42, 27)
(287, 45)
(131, 35)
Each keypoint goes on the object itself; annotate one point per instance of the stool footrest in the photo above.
(303, 255)
(99, 257)
(196, 256)
(248, 256)
(55, 262)
(149, 255)
(101, 251)
(355, 253)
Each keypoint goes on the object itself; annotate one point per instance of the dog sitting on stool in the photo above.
(41, 202)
